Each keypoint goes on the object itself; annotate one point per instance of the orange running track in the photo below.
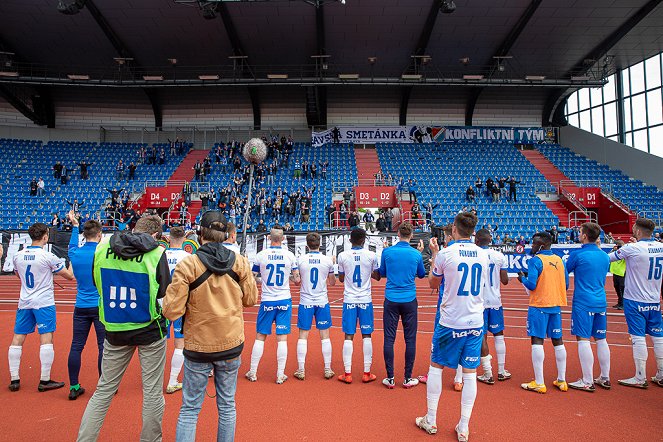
(326, 410)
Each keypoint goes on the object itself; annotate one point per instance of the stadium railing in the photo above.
(174, 217)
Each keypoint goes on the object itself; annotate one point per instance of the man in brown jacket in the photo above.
(209, 290)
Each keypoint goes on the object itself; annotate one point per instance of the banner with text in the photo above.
(432, 134)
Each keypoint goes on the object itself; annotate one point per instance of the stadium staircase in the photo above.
(577, 194)
(368, 164)
(554, 176)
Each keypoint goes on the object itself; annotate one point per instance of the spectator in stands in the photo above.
(132, 171)
(497, 240)
(381, 224)
(162, 156)
(554, 234)
(75, 205)
(57, 170)
(508, 240)
(470, 194)
(119, 171)
(288, 227)
(415, 213)
(305, 211)
(40, 187)
(495, 192)
(64, 175)
(329, 211)
(305, 169)
(183, 213)
(429, 212)
(412, 189)
(347, 196)
(574, 235)
(369, 221)
(353, 220)
(298, 170)
(314, 171)
(323, 169)
(342, 215)
(261, 227)
(55, 221)
(142, 153)
(84, 165)
(502, 185)
(489, 187)
(512, 188)
(388, 218)
(478, 184)
(522, 241)
(609, 239)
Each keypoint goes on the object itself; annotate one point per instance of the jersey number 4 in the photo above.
(474, 276)
(356, 276)
(275, 272)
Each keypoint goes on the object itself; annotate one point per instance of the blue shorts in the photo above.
(274, 311)
(177, 328)
(454, 347)
(322, 313)
(43, 318)
(493, 320)
(544, 322)
(643, 318)
(361, 312)
(586, 324)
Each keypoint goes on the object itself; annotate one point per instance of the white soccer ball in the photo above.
(255, 151)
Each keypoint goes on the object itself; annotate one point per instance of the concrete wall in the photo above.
(361, 106)
(634, 163)
(442, 105)
(9, 116)
(509, 106)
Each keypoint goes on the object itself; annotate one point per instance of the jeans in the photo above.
(113, 365)
(407, 311)
(84, 318)
(193, 393)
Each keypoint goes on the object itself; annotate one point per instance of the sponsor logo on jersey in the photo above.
(649, 308)
(465, 333)
(270, 308)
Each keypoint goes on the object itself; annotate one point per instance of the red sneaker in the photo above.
(346, 377)
(368, 377)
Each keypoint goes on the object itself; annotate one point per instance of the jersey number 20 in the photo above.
(474, 276)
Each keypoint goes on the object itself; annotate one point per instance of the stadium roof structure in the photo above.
(557, 45)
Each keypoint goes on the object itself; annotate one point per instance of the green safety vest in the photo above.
(127, 288)
(618, 267)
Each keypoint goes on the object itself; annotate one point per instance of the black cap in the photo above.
(214, 219)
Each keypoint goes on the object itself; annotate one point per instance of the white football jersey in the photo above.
(275, 266)
(644, 270)
(496, 262)
(174, 256)
(35, 266)
(314, 268)
(231, 246)
(357, 264)
(464, 266)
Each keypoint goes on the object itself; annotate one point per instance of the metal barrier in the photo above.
(174, 217)
(578, 217)
(545, 187)
(654, 215)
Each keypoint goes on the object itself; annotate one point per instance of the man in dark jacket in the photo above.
(131, 273)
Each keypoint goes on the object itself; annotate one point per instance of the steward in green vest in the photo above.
(131, 273)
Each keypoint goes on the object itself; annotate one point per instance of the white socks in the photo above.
(368, 354)
(560, 358)
(176, 366)
(458, 378)
(256, 354)
(640, 357)
(327, 352)
(500, 350)
(658, 352)
(46, 356)
(347, 355)
(603, 353)
(281, 357)
(15, 352)
(467, 398)
(433, 392)
(487, 367)
(586, 361)
(538, 356)
(302, 347)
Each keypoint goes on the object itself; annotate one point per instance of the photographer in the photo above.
(209, 289)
